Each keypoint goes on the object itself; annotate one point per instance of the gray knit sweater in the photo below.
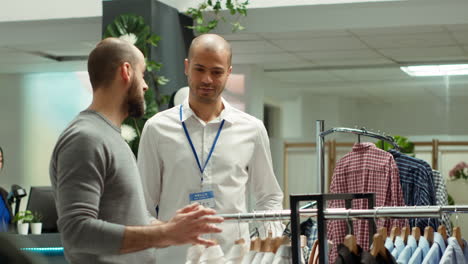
(97, 191)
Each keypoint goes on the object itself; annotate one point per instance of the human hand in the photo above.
(189, 224)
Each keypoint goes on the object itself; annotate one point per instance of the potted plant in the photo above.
(22, 220)
(36, 224)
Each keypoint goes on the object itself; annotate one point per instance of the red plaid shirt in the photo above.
(366, 169)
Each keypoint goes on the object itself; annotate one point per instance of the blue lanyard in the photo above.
(202, 169)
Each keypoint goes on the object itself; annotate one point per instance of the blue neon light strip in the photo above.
(48, 251)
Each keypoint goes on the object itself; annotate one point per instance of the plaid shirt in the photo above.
(417, 182)
(366, 169)
(442, 198)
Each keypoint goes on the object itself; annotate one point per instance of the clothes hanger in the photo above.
(378, 246)
(416, 233)
(456, 233)
(312, 252)
(394, 233)
(405, 231)
(442, 230)
(350, 240)
(429, 234)
(239, 241)
(383, 231)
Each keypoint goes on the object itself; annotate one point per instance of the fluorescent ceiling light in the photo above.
(283, 3)
(436, 70)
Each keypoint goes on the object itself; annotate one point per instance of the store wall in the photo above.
(34, 110)
(11, 129)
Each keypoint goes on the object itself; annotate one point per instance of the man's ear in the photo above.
(125, 72)
(186, 64)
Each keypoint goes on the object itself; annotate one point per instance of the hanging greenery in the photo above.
(202, 25)
(134, 29)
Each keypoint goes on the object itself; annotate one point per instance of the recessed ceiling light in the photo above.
(436, 70)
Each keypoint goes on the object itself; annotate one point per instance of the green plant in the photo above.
(133, 28)
(202, 25)
(23, 217)
(405, 145)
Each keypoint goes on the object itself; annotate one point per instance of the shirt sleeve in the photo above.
(266, 189)
(150, 167)
(268, 193)
(81, 169)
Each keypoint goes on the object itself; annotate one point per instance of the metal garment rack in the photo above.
(320, 145)
(338, 214)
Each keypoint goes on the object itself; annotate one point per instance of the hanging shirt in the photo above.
(283, 255)
(454, 253)
(399, 247)
(405, 255)
(437, 250)
(258, 258)
(212, 255)
(240, 161)
(194, 253)
(442, 198)
(421, 251)
(248, 258)
(366, 169)
(389, 244)
(236, 254)
(417, 184)
(268, 258)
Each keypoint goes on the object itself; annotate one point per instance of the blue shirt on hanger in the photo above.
(437, 250)
(410, 248)
(421, 251)
(389, 244)
(454, 253)
(399, 247)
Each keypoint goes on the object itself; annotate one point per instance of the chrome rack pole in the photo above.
(320, 152)
(342, 213)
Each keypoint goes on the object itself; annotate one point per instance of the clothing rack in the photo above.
(320, 145)
(338, 214)
(353, 214)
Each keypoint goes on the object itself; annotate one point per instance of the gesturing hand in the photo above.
(190, 223)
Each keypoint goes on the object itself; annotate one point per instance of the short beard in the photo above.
(136, 105)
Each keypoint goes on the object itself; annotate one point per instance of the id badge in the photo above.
(205, 197)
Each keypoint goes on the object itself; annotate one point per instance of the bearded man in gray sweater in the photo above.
(102, 215)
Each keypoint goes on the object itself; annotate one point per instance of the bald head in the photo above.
(107, 57)
(211, 43)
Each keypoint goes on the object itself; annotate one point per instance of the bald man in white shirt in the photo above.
(206, 151)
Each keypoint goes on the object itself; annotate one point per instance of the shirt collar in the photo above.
(226, 114)
(363, 146)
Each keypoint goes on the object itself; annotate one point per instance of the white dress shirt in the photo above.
(241, 157)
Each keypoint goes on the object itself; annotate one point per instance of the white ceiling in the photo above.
(340, 57)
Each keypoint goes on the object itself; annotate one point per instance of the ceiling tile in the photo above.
(287, 65)
(461, 36)
(417, 40)
(305, 34)
(303, 76)
(459, 27)
(263, 58)
(241, 36)
(247, 47)
(408, 30)
(370, 74)
(354, 62)
(321, 44)
(339, 54)
(424, 54)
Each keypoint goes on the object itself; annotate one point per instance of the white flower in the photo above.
(130, 37)
(465, 171)
(128, 133)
